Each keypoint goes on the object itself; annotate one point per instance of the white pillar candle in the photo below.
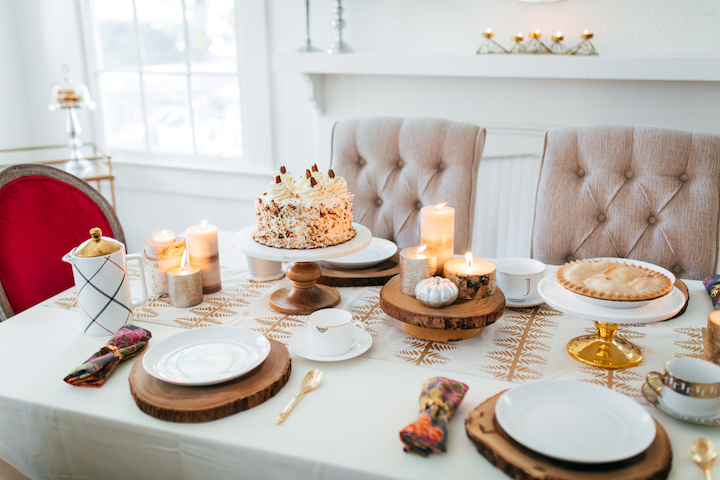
(416, 264)
(437, 231)
(474, 277)
(184, 285)
(203, 247)
(164, 237)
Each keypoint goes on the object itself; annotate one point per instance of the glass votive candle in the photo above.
(416, 264)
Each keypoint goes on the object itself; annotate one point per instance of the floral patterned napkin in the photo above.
(127, 342)
(439, 398)
(712, 285)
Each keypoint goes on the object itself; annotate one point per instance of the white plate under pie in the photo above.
(575, 421)
(206, 356)
(562, 299)
(378, 251)
(300, 345)
(625, 303)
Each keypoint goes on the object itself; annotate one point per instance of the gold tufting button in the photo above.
(362, 162)
(652, 220)
(379, 202)
(570, 258)
(676, 269)
(601, 218)
(400, 164)
(629, 174)
(684, 177)
(441, 167)
(581, 172)
(418, 205)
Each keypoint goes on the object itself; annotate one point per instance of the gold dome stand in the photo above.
(605, 349)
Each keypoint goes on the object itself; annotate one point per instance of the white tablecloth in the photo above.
(347, 428)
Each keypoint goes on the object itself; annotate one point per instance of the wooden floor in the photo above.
(8, 472)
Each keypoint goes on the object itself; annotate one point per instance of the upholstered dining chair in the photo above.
(645, 193)
(44, 213)
(395, 166)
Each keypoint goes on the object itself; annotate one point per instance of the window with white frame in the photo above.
(167, 75)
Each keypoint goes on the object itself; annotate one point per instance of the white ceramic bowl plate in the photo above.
(378, 251)
(575, 421)
(206, 356)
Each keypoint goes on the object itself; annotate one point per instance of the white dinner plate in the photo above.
(527, 303)
(378, 251)
(300, 345)
(575, 421)
(206, 356)
(625, 303)
(562, 299)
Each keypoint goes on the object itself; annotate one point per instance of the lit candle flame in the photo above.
(164, 234)
(421, 249)
(585, 32)
(203, 224)
(183, 261)
(489, 30)
(558, 34)
(537, 31)
(440, 207)
(469, 259)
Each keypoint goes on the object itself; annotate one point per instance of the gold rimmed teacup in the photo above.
(689, 386)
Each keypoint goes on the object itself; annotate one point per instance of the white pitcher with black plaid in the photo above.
(102, 284)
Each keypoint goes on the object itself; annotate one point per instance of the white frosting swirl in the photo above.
(280, 191)
(336, 186)
(313, 194)
(286, 178)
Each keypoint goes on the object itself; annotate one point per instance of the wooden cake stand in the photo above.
(461, 320)
(305, 296)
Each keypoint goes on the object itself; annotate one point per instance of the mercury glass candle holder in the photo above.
(489, 45)
(416, 264)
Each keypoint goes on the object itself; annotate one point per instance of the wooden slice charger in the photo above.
(521, 463)
(175, 403)
(461, 320)
(376, 275)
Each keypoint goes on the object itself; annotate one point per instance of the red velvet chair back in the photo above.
(44, 213)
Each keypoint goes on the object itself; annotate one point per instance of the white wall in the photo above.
(516, 112)
(14, 121)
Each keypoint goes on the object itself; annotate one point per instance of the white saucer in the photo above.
(562, 299)
(530, 302)
(300, 345)
(656, 401)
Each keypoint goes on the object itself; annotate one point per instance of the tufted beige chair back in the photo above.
(395, 166)
(646, 193)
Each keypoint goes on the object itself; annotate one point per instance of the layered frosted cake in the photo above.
(313, 212)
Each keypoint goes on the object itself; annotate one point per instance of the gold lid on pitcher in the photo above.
(97, 246)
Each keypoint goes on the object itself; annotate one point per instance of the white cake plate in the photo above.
(305, 296)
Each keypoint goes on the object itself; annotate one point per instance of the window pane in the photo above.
(162, 37)
(168, 114)
(216, 110)
(115, 33)
(122, 110)
(211, 26)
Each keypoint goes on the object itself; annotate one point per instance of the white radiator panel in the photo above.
(504, 206)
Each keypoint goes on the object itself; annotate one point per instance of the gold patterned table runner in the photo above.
(524, 345)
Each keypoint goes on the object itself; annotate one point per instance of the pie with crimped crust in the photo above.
(609, 280)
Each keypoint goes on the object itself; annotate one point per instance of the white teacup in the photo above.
(334, 332)
(518, 278)
(690, 386)
(260, 270)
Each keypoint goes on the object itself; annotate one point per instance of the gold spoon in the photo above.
(310, 382)
(703, 453)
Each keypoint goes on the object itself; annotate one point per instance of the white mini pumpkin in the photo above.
(436, 292)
